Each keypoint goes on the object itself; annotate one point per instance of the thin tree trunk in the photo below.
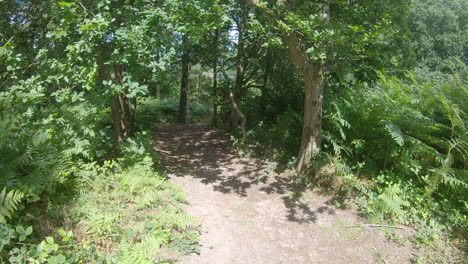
(158, 82)
(312, 127)
(215, 79)
(313, 101)
(117, 119)
(132, 115)
(197, 86)
(184, 81)
(241, 115)
(266, 78)
(120, 118)
(118, 103)
(101, 70)
(121, 110)
(240, 72)
(158, 89)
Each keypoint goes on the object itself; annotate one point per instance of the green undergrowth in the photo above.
(133, 216)
(394, 151)
(125, 211)
(435, 229)
(68, 196)
(166, 110)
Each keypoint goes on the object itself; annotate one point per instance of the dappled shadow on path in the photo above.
(301, 212)
(195, 150)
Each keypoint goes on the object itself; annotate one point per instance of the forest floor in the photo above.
(246, 221)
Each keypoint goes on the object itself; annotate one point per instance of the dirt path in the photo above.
(248, 222)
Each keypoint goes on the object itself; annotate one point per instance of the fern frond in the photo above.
(395, 132)
(459, 146)
(9, 203)
(454, 114)
(445, 174)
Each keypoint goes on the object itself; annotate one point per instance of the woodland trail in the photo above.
(248, 222)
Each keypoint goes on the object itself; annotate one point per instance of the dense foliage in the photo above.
(367, 99)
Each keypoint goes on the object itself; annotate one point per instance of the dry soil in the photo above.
(246, 221)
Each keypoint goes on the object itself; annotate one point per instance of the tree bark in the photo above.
(118, 119)
(215, 79)
(101, 67)
(197, 86)
(158, 82)
(119, 103)
(266, 78)
(132, 106)
(312, 127)
(184, 81)
(313, 101)
(158, 89)
(123, 108)
(241, 115)
(122, 114)
(235, 95)
(313, 84)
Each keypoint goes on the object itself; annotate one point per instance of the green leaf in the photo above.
(57, 259)
(55, 247)
(50, 240)
(20, 229)
(6, 234)
(28, 230)
(62, 233)
(65, 4)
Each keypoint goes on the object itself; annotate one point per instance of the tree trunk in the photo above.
(313, 101)
(119, 103)
(101, 70)
(313, 85)
(241, 115)
(158, 89)
(197, 86)
(215, 79)
(121, 112)
(132, 115)
(118, 119)
(158, 82)
(184, 81)
(312, 127)
(235, 96)
(266, 78)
